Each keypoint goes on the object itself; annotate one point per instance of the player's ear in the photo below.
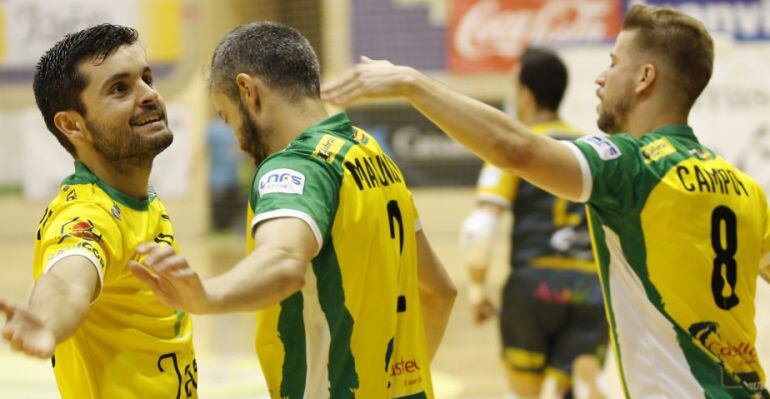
(248, 90)
(70, 124)
(647, 75)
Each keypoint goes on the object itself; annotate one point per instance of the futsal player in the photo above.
(106, 333)
(552, 325)
(352, 300)
(680, 234)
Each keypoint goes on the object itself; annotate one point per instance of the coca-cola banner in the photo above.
(489, 35)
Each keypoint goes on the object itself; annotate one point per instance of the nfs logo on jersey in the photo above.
(605, 148)
(285, 181)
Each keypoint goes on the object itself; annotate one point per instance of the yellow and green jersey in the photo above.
(129, 345)
(548, 232)
(356, 329)
(680, 235)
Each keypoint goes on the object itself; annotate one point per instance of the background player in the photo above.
(110, 336)
(353, 300)
(552, 316)
(680, 234)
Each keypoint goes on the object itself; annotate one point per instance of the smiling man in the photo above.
(108, 334)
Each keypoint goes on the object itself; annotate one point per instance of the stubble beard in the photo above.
(126, 150)
(253, 137)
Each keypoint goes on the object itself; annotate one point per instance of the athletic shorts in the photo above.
(550, 317)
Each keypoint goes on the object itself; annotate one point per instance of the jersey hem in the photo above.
(585, 171)
(78, 252)
(280, 213)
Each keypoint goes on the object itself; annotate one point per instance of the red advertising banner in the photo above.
(489, 35)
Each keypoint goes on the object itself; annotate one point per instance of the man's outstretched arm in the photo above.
(271, 273)
(486, 131)
(57, 306)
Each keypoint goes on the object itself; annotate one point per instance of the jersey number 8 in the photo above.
(725, 256)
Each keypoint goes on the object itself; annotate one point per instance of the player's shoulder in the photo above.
(750, 184)
(314, 151)
(155, 205)
(80, 197)
(289, 171)
(608, 147)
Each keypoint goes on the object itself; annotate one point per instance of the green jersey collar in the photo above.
(683, 131)
(83, 175)
(337, 123)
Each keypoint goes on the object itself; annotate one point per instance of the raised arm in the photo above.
(57, 306)
(486, 131)
(271, 273)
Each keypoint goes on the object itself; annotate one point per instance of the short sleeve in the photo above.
(611, 170)
(84, 230)
(496, 186)
(290, 185)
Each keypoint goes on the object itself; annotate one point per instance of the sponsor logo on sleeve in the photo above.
(286, 181)
(328, 148)
(84, 229)
(605, 148)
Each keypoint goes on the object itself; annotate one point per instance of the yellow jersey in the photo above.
(129, 345)
(680, 235)
(356, 329)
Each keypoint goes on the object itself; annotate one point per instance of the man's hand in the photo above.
(168, 275)
(369, 79)
(483, 311)
(26, 332)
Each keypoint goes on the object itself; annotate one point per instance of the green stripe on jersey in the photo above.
(343, 377)
(602, 255)
(291, 331)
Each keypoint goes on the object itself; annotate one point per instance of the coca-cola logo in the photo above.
(503, 28)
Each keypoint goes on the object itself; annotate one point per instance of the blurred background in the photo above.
(471, 45)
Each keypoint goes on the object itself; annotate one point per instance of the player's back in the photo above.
(680, 235)
(361, 333)
(129, 345)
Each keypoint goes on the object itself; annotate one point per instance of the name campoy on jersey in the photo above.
(679, 234)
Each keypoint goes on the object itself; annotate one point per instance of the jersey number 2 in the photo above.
(725, 267)
(394, 215)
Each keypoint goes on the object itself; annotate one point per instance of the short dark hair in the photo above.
(679, 40)
(58, 84)
(545, 75)
(277, 53)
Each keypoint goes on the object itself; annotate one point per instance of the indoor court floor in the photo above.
(466, 366)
